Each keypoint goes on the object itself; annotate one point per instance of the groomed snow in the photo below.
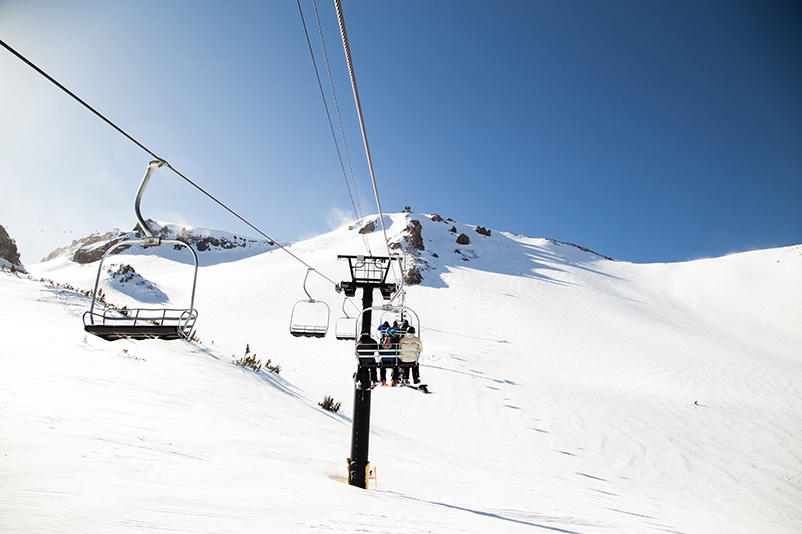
(571, 394)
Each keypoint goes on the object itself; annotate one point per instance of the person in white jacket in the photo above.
(409, 348)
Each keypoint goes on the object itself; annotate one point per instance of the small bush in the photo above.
(250, 361)
(273, 368)
(328, 404)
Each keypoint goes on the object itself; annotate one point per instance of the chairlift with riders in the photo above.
(390, 323)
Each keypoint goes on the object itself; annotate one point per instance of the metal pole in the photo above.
(360, 430)
(367, 304)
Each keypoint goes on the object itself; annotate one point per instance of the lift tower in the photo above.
(367, 273)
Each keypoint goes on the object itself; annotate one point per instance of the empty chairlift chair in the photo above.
(112, 323)
(309, 317)
(346, 326)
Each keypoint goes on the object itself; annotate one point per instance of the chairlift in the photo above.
(399, 355)
(345, 327)
(309, 317)
(142, 323)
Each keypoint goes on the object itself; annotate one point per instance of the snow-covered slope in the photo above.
(572, 393)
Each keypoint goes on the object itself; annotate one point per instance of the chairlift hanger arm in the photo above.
(306, 277)
(152, 166)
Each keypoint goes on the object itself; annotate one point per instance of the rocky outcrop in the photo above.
(413, 276)
(415, 238)
(92, 248)
(368, 228)
(8, 250)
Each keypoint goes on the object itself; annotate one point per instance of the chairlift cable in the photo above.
(153, 154)
(357, 212)
(360, 213)
(357, 102)
(339, 116)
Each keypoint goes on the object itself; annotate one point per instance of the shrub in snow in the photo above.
(273, 368)
(250, 361)
(463, 239)
(482, 230)
(436, 218)
(329, 404)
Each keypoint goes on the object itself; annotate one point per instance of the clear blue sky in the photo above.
(647, 131)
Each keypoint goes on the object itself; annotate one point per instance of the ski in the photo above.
(424, 388)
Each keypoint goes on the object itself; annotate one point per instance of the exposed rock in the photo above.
(436, 218)
(92, 248)
(124, 273)
(482, 230)
(412, 244)
(413, 276)
(8, 249)
(453, 230)
(415, 239)
(368, 228)
(463, 239)
(90, 255)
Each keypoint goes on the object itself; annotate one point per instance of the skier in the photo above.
(388, 350)
(409, 348)
(366, 349)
